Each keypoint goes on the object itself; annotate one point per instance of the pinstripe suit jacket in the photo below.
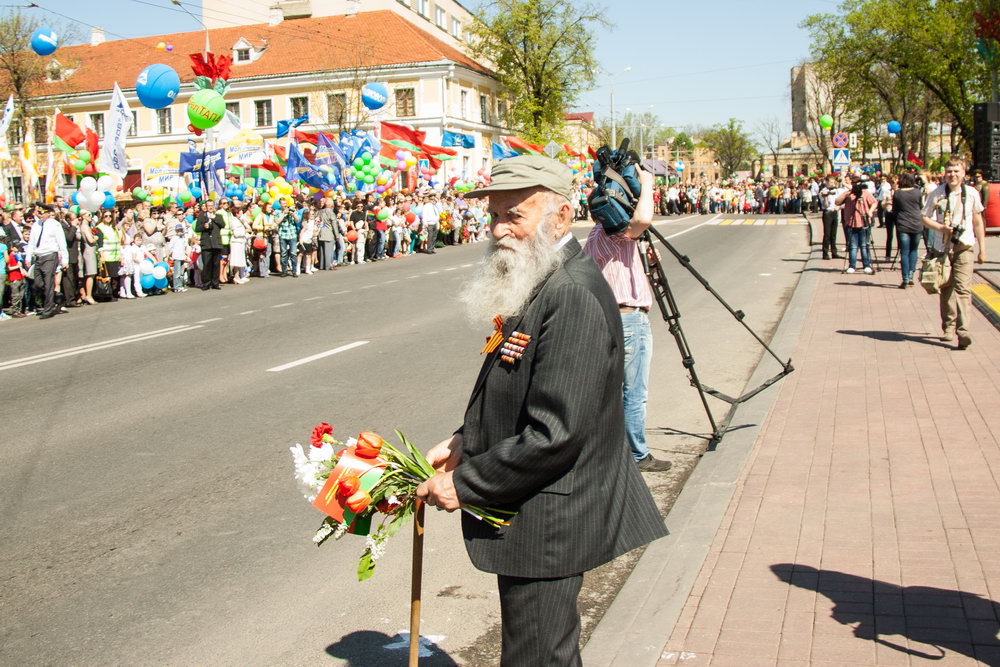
(546, 436)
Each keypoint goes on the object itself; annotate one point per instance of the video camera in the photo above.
(616, 188)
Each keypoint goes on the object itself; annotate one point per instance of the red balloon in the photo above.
(352, 236)
(411, 217)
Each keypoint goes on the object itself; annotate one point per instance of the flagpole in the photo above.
(416, 577)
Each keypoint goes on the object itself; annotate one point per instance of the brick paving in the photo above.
(866, 527)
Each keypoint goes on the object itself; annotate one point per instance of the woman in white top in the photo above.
(238, 247)
(306, 233)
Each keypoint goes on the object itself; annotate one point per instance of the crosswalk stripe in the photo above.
(771, 222)
(728, 221)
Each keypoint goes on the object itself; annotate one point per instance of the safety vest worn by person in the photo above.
(111, 247)
(227, 231)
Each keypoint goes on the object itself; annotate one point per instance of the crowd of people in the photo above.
(106, 256)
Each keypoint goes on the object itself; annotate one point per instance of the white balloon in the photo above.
(105, 183)
(159, 272)
(94, 199)
(146, 267)
(88, 184)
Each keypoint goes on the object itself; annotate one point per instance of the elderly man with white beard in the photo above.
(544, 430)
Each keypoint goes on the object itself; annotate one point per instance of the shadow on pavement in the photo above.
(898, 337)
(865, 283)
(365, 648)
(947, 620)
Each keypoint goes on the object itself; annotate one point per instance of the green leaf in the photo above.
(366, 568)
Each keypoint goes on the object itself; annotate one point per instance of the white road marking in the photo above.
(412, 277)
(389, 282)
(431, 273)
(247, 312)
(93, 347)
(369, 286)
(700, 224)
(313, 298)
(343, 291)
(281, 305)
(211, 319)
(465, 266)
(451, 268)
(764, 275)
(321, 355)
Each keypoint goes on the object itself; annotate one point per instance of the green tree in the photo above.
(542, 53)
(732, 146)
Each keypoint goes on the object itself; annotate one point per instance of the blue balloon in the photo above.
(72, 198)
(374, 95)
(195, 191)
(109, 200)
(44, 41)
(157, 86)
(894, 127)
(189, 218)
(159, 283)
(276, 205)
(147, 281)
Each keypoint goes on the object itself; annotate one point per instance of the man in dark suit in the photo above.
(209, 225)
(544, 431)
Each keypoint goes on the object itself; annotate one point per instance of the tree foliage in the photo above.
(732, 146)
(542, 53)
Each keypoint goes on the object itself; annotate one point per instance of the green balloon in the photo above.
(255, 211)
(140, 194)
(366, 157)
(75, 209)
(83, 155)
(79, 165)
(167, 200)
(369, 179)
(265, 198)
(184, 197)
(383, 214)
(206, 108)
(826, 121)
(358, 162)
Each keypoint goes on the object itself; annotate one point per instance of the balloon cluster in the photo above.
(163, 46)
(80, 158)
(364, 169)
(278, 193)
(153, 274)
(94, 194)
(405, 160)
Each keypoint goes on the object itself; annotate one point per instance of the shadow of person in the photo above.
(946, 620)
(367, 648)
(898, 337)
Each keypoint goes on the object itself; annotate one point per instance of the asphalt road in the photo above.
(148, 510)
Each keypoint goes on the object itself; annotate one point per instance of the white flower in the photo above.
(323, 531)
(376, 547)
(307, 473)
(341, 531)
(322, 453)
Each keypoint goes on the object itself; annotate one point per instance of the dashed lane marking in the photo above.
(369, 286)
(321, 355)
(248, 312)
(211, 319)
(431, 273)
(343, 291)
(313, 298)
(281, 305)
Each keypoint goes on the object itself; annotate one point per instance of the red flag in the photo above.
(912, 157)
(307, 137)
(93, 147)
(592, 153)
(522, 146)
(68, 134)
(272, 166)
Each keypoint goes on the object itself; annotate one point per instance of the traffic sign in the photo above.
(852, 140)
(841, 157)
(552, 149)
(840, 140)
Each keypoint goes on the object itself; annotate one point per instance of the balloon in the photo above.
(206, 108)
(276, 205)
(105, 182)
(369, 179)
(411, 217)
(401, 165)
(265, 198)
(88, 184)
(147, 281)
(383, 213)
(72, 198)
(401, 155)
(195, 191)
(366, 157)
(157, 86)
(170, 47)
(75, 209)
(160, 46)
(380, 189)
(826, 121)
(161, 283)
(45, 41)
(160, 271)
(146, 267)
(109, 200)
(894, 127)
(374, 95)
(352, 236)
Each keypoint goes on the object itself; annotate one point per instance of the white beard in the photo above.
(509, 274)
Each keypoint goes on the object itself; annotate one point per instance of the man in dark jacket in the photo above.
(209, 225)
(544, 430)
(71, 229)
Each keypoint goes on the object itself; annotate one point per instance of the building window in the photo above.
(439, 18)
(484, 108)
(97, 123)
(16, 134)
(164, 121)
(234, 108)
(336, 107)
(262, 112)
(242, 55)
(133, 129)
(423, 8)
(40, 128)
(502, 110)
(405, 102)
(456, 28)
(463, 107)
(300, 106)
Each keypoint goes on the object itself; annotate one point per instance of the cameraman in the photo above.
(831, 218)
(617, 256)
(859, 204)
(954, 212)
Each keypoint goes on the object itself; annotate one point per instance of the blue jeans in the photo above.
(638, 354)
(338, 258)
(178, 274)
(857, 237)
(908, 245)
(288, 248)
(379, 244)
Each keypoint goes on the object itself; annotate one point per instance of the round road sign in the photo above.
(840, 140)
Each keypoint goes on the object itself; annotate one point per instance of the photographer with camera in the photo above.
(831, 217)
(859, 204)
(954, 212)
(615, 250)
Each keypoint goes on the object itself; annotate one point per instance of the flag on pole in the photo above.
(329, 152)
(113, 160)
(285, 125)
(51, 177)
(29, 169)
(501, 152)
(523, 147)
(67, 135)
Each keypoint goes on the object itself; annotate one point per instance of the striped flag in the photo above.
(523, 147)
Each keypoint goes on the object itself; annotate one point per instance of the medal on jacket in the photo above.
(513, 349)
(494, 341)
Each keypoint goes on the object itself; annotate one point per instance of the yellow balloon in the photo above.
(248, 193)
(161, 46)
(158, 192)
(156, 201)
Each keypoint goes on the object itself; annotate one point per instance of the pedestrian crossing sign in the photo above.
(841, 157)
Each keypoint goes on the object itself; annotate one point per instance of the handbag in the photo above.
(102, 284)
(935, 271)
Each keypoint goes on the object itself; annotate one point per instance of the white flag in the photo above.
(113, 159)
(8, 111)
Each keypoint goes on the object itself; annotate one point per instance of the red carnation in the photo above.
(319, 430)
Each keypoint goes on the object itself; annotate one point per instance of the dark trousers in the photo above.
(830, 221)
(432, 237)
(539, 621)
(45, 277)
(210, 267)
(69, 284)
(890, 232)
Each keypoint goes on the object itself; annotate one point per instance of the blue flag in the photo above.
(330, 153)
(206, 168)
(298, 168)
(468, 141)
(501, 152)
(450, 138)
(285, 125)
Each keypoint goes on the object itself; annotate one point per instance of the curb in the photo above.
(640, 620)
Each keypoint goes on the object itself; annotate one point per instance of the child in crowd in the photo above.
(178, 252)
(4, 258)
(15, 273)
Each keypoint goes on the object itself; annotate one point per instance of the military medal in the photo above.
(514, 347)
(494, 341)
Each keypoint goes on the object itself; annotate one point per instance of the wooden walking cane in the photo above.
(416, 576)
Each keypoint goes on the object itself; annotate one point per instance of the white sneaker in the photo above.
(849, 269)
(868, 270)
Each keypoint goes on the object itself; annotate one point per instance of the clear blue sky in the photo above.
(697, 63)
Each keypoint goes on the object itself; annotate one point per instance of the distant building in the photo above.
(581, 131)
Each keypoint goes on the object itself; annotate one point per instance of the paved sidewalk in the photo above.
(865, 529)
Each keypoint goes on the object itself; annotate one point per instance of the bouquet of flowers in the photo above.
(363, 481)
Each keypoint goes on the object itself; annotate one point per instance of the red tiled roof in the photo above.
(585, 116)
(368, 39)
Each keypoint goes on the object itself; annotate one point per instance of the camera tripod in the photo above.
(671, 315)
